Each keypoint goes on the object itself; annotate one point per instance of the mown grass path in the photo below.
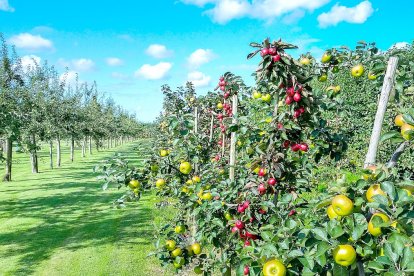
(59, 222)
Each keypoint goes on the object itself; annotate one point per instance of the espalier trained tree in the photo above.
(239, 166)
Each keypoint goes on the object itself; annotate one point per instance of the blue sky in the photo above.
(131, 47)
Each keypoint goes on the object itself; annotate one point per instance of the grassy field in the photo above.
(59, 222)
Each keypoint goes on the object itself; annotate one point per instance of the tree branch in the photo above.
(396, 155)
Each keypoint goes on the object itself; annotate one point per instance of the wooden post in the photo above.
(9, 157)
(382, 107)
(233, 140)
(195, 119)
(195, 132)
(58, 152)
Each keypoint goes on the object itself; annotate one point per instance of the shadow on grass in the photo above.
(74, 214)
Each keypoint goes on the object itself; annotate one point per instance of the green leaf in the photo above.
(390, 135)
(375, 266)
(389, 189)
(320, 234)
(407, 257)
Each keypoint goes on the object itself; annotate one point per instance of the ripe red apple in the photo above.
(289, 100)
(301, 109)
(242, 235)
(217, 157)
(286, 144)
(296, 114)
(221, 78)
(262, 172)
(292, 212)
(304, 147)
(272, 51)
(222, 83)
(264, 52)
(240, 208)
(276, 58)
(239, 224)
(297, 97)
(290, 91)
(234, 229)
(246, 204)
(222, 88)
(295, 147)
(261, 211)
(246, 270)
(261, 188)
(279, 126)
(247, 243)
(220, 116)
(226, 95)
(271, 181)
(251, 236)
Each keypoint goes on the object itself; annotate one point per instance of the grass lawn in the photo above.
(59, 222)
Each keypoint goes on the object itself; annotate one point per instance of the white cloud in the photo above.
(5, 6)
(153, 72)
(158, 51)
(200, 57)
(113, 61)
(224, 11)
(83, 64)
(30, 42)
(199, 79)
(30, 62)
(357, 15)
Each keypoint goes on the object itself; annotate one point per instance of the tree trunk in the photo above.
(72, 149)
(97, 144)
(233, 141)
(90, 145)
(108, 143)
(111, 142)
(83, 147)
(51, 153)
(33, 156)
(9, 156)
(58, 153)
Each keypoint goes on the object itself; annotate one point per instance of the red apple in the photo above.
(297, 97)
(239, 224)
(226, 95)
(296, 114)
(222, 83)
(276, 58)
(234, 229)
(292, 212)
(272, 51)
(289, 100)
(222, 88)
(247, 243)
(304, 147)
(261, 211)
(261, 188)
(286, 143)
(264, 52)
(290, 91)
(295, 147)
(271, 181)
(262, 172)
(240, 208)
(279, 126)
(246, 204)
(301, 109)
(246, 270)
